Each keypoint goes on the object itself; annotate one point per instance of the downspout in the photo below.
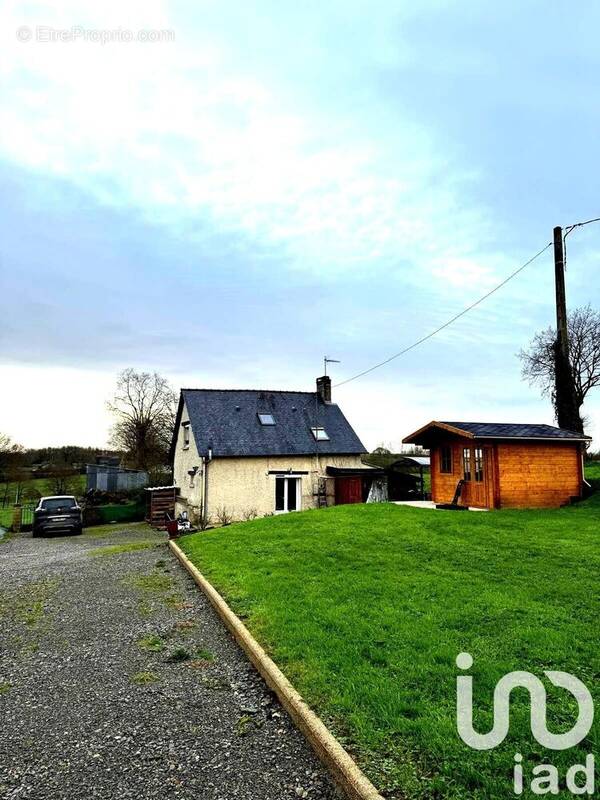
(586, 487)
(317, 460)
(206, 460)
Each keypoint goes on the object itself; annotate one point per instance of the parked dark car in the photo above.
(57, 515)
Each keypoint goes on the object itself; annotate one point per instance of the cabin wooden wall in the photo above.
(443, 485)
(526, 474)
(538, 474)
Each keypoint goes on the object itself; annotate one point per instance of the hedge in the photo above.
(125, 512)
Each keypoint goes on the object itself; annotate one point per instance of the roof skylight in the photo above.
(266, 419)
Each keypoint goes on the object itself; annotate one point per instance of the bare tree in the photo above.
(144, 409)
(538, 361)
(5, 442)
(9, 451)
(61, 480)
(11, 468)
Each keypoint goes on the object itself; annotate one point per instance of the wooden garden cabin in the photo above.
(504, 465)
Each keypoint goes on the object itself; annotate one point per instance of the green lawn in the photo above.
(366, 607)
(592, 471)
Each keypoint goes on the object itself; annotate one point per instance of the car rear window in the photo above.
(61, 503)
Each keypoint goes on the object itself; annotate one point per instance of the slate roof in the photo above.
(504, 430)
(227, 420)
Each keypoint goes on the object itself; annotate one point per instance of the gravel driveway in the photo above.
(117, 680)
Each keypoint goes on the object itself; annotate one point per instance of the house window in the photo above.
(287, 494)
(446, 459)
(186, 435)
(266, 419)
(479, 464)
(320, 434)
(467, 463)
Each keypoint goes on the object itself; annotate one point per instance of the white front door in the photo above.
(287, 494)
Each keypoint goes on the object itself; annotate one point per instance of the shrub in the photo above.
(223, 515)
(197, 518)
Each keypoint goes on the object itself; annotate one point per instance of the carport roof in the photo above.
(412, 461)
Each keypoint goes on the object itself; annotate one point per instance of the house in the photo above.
(503, 465)
(251, 453)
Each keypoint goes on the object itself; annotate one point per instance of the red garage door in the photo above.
(348, 490)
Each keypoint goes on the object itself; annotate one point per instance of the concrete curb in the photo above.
(344, 770)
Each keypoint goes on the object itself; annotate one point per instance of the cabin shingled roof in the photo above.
(505, 430)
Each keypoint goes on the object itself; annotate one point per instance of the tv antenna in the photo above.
(327, 360)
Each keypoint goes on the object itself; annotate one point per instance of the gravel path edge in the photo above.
(344, 770)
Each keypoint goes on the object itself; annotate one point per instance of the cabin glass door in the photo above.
(476, 476)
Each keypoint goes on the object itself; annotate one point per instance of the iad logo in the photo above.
(537, 694)
(545, 775)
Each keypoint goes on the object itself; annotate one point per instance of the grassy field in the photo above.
(366, 607)
(592, 471)
(31, 490)
(38, 487)
(5, 517)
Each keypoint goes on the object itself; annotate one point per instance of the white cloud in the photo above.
(190, 130)
(464, 272)
(180, 128)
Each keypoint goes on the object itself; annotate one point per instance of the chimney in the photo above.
(324, 388)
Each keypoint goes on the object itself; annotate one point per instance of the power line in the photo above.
(569, 229)
(450, 321)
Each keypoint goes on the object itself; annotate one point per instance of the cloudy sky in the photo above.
(264, 183)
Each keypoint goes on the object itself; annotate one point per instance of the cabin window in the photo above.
(467, 463)
(186, 435)
(287, 491)
(446, 459)
(479, 464)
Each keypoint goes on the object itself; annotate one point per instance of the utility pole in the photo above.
(561, 294)
(567, 409)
